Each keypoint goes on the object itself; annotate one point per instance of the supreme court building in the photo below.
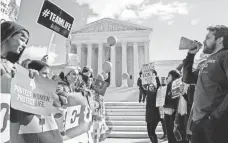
(88, 47)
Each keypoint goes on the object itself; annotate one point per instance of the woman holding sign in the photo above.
(152, 112)
(38, 128)
(170, 106)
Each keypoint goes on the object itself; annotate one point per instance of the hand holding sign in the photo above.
(32, 95)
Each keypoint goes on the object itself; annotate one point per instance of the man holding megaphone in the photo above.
(209, 119)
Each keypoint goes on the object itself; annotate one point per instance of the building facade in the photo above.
(88, 47)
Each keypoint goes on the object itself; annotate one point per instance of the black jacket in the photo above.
(152, 112)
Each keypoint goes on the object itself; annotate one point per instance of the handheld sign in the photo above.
(147, 74)
(100, 86)
(54, 18)
(176, 88)
(32, 95)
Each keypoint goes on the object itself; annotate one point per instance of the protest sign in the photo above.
(78, 117)
(100, 86)
(9, 10)
(160, 98)
(4, 117)
(32, 95)
(54, 18)
(176, 88)
(147, 74)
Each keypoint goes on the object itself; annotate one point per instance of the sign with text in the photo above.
(4, 117)
(9, 10)
(100, 86)
(54, 18)
(32, 95)
(78, 117)
(176, 88)
(147, 74)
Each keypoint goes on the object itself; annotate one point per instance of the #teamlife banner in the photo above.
(32, 95)
(54, 18)
(147, 74)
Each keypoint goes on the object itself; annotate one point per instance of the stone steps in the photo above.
(127, 120)
(132, 135)
(134, 128)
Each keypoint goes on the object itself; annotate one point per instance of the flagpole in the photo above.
(50, 42)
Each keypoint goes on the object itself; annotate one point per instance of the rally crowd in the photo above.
(196, 110)
(14, 39)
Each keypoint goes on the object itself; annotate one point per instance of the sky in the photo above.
(170, 20)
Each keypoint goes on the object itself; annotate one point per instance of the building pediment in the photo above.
(109, 25)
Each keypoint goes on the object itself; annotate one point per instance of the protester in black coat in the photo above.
(142, 91)
(152, 112)
(172, 105)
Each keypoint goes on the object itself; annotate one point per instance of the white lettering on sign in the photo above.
(56, 19)
(72, 117)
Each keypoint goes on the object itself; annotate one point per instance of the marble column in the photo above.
(147, 52)
(136, 63)
(79, 52)
(124, 63)
(113, 71)
(100, 55)
(89, 55)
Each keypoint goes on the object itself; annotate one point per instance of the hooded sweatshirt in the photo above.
(9, 28)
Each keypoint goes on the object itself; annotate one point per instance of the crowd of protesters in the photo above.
(199, 112)
(14, 39)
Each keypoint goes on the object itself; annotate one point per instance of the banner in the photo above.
(147, 74)
(4, 117)
(32, 95)
(54, 18)
(100, 86)
(9, 10)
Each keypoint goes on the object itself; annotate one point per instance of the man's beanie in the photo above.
(87, 69)
(37, 65)
(174, 74)
(8, 28)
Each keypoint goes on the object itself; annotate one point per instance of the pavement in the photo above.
(115, 140)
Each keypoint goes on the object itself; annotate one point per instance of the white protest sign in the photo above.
(4, 117)
(160, 98)
(176, 87)
(73, 115)
(147, 74)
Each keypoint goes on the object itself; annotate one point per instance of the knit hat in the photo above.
(8, 28)
(37, 65)
(68, 69)
(175, 74)
(87, 69)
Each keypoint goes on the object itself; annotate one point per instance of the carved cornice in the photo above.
(109, 25)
